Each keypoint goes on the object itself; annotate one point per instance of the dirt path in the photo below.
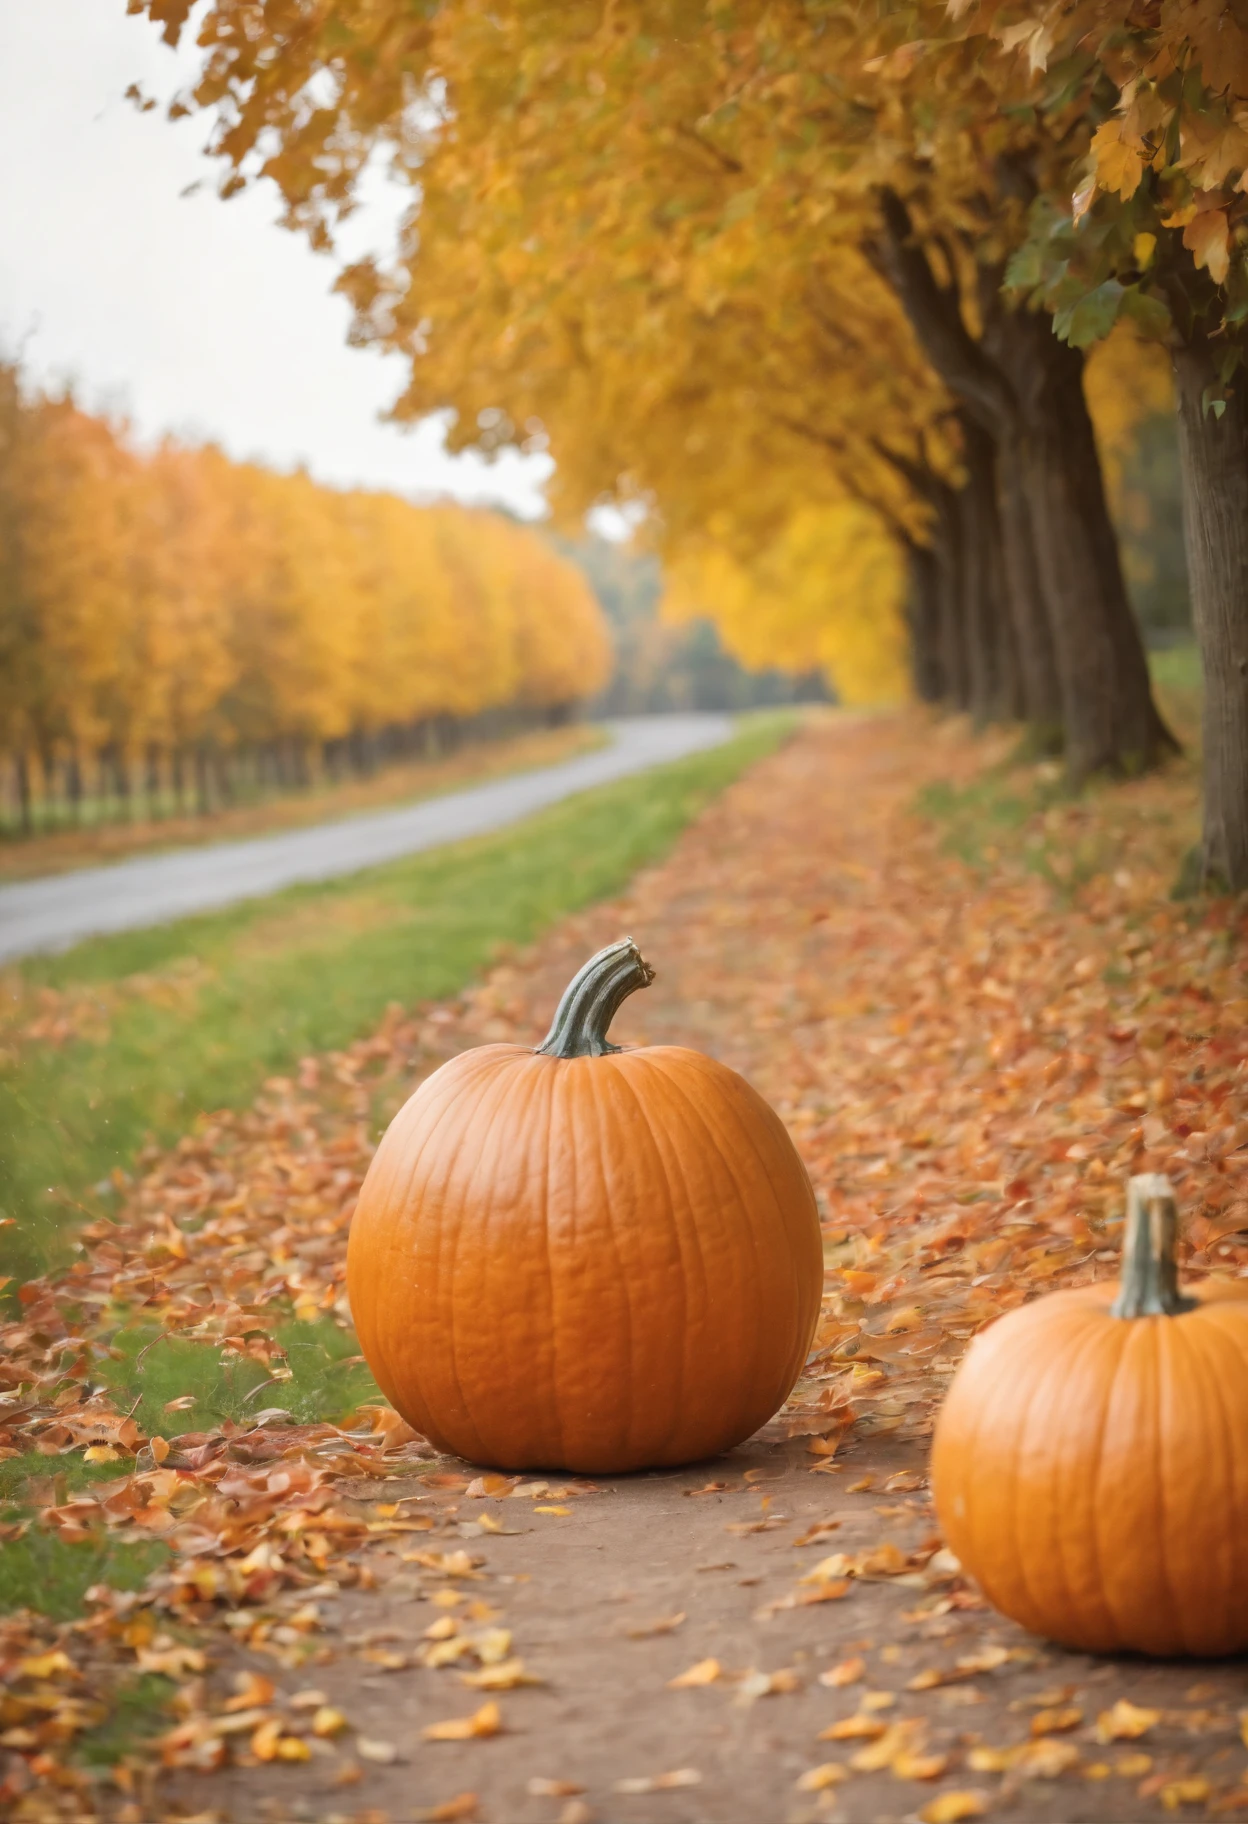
(971, 1059)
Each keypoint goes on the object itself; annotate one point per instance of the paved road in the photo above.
(53, 913)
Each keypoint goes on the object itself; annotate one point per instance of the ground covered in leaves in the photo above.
(977, 1009)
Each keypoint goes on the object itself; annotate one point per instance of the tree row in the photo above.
(738, 262)
(175, 625)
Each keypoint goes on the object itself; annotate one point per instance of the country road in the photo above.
(60, 910)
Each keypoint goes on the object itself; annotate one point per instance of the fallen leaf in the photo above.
(894, 1742)
(1044, 1759)
(767, 1684)
(667, 1624)
(539, 1788)
(485, 1721)
(1056, 1722)
(955, 1807)
(463, 1807)
(1125, 1722)
(704, 1672)
(852, 1729)
(383, 1753)
(907, 1766)
(660, 1782)
(328, 1721)
(818, 1779)
(1194, 1791)
(503, 1676)
(845, 1672)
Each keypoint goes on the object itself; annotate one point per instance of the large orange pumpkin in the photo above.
(1090, 1465)
(583, 1257)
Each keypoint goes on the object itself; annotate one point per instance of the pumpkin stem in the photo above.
(1149, 1286)
(592, 999)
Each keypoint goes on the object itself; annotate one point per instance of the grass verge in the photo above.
(128, 1038)
(403, 782)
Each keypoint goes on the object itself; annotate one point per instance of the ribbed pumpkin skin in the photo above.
(1091, 1472)
(594, 1263)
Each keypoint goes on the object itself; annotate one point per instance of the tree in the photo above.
(612, 208)
(184, 613)
(1152, 224)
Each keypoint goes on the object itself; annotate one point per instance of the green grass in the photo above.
(142, 1708)
(232, 998)
(323, 1379)
(40, 1571)
(1177, 668)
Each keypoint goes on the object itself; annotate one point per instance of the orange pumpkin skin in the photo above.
(591, 1263)
(1091, 1471)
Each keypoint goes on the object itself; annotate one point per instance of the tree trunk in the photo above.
(1214, 457)
(947, 545)
(1026, 388)
(992, 656)
(21, 766)
(203, 798)
(923, 615)
(1040, 697)
(1111, 722)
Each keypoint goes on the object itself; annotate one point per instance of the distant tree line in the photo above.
(177, 628)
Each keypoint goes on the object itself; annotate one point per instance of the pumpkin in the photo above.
(584, 1257)
(1090, 1464)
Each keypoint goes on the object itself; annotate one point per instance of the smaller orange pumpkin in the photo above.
(1090, 1465)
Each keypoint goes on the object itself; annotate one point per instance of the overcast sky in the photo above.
(189, 314)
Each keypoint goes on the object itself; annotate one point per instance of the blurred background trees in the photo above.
(177, 629)
(741, 265)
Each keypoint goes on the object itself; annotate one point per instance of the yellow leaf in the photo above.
(954, 1807)
(1185, 1792)
(852, 1729)
(1125, 1722)
(101, 1453)
(705, 1672)
(1044, 1759)
(485, 1721)
(328, 1720)
(264, 1742)
(818, 1779)
(846, 1672)
(1143, 247)
(882, 1753)
(1056, 1722)
(46, 1665)
(458, 1810)
(539, 1788)
(293, 1748)
(908, 1766)
(503, 1676)
(1208, 237)
(1119, 167)
(552, 1510)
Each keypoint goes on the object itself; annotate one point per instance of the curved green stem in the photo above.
(1149, 1285)
(592, 999)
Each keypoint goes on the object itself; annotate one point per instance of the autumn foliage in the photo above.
(167, 616)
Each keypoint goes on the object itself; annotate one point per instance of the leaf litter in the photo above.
(971, 1059)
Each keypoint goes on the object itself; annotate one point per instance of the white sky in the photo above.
(187, 314)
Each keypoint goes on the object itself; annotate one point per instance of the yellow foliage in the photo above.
(180, 600)
(827, 593)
